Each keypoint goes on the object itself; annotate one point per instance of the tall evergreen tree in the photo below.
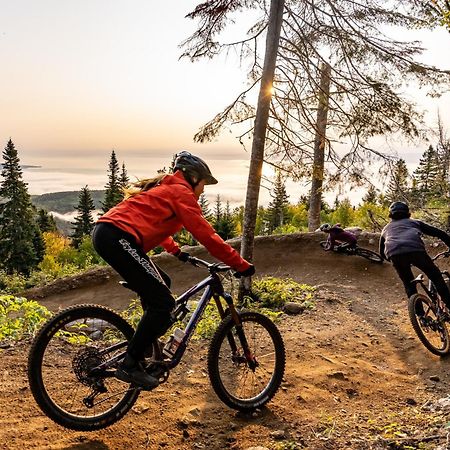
(84, 222)
(124, 180)
(218, 211)
(371, 196)
(113, 189)
(398, 184)
(226, 226)
(45, 221)
(443, 153)
(204, 205)
(426, 177)
(278, 207)
(22, 246)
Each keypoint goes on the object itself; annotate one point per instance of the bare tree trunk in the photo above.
(315, 199)
(259, 135)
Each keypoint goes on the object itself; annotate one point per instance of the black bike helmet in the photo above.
(399, 210)
(193, 168)
(326, 227)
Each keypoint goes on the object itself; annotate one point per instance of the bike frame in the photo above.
(213, 289)
(431, 290)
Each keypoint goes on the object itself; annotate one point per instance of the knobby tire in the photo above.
(434, 336)
(234, 382)
(369, 254)
(61, 341)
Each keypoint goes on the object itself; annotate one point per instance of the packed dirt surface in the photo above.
(356, 375)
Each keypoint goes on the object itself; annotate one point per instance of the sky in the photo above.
(79, 79)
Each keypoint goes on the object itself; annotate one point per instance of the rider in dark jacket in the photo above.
(401, 243)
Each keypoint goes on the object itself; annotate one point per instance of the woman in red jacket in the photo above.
(154, 210)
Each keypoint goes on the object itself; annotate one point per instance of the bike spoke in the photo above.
(70, 356)
(242, 381)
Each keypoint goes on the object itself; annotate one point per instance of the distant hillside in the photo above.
(64, 202)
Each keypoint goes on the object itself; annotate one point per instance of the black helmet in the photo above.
(399, 210)
(325, 227)
(194, 168)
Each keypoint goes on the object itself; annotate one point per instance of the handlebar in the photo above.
(445, 254)
(212, 267)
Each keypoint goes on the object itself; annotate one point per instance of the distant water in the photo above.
(232, 176)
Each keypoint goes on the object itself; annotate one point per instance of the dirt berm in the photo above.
(356, 375)
(297, 256)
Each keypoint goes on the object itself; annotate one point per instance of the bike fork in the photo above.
(250, 359)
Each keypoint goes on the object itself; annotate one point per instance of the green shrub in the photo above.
(273, 293)
(133, 313)
(20, 317)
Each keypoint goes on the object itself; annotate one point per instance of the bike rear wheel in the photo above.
(60, 363)
(235, 382)
(430, 329)
(369, 254)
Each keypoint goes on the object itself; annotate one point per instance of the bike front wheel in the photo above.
(429, 327)
(246, 381)
(369, 254)
(62, 362)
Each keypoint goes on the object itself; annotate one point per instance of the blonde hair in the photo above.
(143, 185)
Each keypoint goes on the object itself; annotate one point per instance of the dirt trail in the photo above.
(356, 375)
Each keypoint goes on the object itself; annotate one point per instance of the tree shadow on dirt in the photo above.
(87, 445)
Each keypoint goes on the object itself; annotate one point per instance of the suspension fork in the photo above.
(251, 361)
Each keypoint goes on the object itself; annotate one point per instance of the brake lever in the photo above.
(193, 261)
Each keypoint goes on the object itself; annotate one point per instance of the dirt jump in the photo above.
(356, 375)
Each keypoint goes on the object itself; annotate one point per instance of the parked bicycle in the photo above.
(353, 250)
(427, 314)
(72, 361)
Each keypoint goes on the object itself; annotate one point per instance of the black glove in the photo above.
(183, 256)
(247, 272)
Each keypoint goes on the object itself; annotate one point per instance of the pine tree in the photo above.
(84, 222)
(371, 196)
(218, 212)
(124, 180)
(278, 207)
(45, 221)
(398, 184)
(113, 189)
(426, 177)
(22, 246)
(443, 153)
(204, 205)
(226, 226)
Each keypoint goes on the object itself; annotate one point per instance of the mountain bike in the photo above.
(72, 360)
(356, 250)
(427, 315)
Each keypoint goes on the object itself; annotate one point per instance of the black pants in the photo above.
(421, 260)
(120, 251)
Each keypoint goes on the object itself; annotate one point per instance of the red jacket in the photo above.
(153, 216)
